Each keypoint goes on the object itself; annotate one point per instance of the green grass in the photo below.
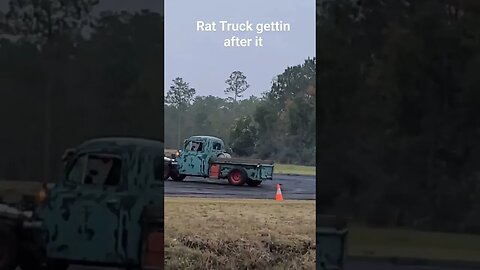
(405, 243)
(294, 169)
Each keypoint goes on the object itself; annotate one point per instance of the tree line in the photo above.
(278, 125)
(68, 75)
(399, 112)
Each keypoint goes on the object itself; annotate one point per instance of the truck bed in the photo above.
(241, 161)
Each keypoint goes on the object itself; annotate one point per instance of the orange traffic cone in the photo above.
(279, 196)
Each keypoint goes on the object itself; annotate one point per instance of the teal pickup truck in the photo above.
(205, 156)
(106, 210)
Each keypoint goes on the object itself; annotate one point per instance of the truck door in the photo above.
(192, 160)
(90, 209)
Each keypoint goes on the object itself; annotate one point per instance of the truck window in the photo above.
(95, 170)
(102, 170)
(196, 146)
(217, 146)
(75, 174)
(158, 168)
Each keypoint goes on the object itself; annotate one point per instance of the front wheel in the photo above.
(237, 177)
(253, 183)
(50, 265)
(177, 177)
(57, 265)
(166, 172)
(32, 257)
(8, 248)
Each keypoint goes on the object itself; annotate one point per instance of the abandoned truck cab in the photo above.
(107, 209)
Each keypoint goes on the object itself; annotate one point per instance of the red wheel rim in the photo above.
(235, 176)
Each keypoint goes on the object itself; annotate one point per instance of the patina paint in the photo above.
(197, 163)
(96, 223)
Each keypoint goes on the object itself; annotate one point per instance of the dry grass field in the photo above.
(239, 234)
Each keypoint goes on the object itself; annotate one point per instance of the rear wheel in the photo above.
(8, 248)
(253, 183)
(237, 177)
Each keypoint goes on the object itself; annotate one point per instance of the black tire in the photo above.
(166, 172)
(31, 258)
(8, 248)
(56, 265)
(177, 177)
(253, 183)
(48, 266)
(237, 177)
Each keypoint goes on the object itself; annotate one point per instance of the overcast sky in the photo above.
(202, 60)
(200, 57)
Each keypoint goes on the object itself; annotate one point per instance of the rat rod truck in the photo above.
(107, 210)
(205, 156)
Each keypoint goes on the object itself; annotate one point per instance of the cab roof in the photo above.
(116, 142)
(193, 138)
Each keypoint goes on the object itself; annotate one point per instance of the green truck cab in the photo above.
(107, 210)
(205, 156)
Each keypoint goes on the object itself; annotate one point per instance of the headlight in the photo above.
(42, 194)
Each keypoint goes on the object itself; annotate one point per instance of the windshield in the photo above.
(95, 169)
(194, 146)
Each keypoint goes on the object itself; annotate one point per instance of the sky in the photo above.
(201, 59)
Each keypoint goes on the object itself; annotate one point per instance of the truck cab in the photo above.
(196, 153)
(106, 210)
